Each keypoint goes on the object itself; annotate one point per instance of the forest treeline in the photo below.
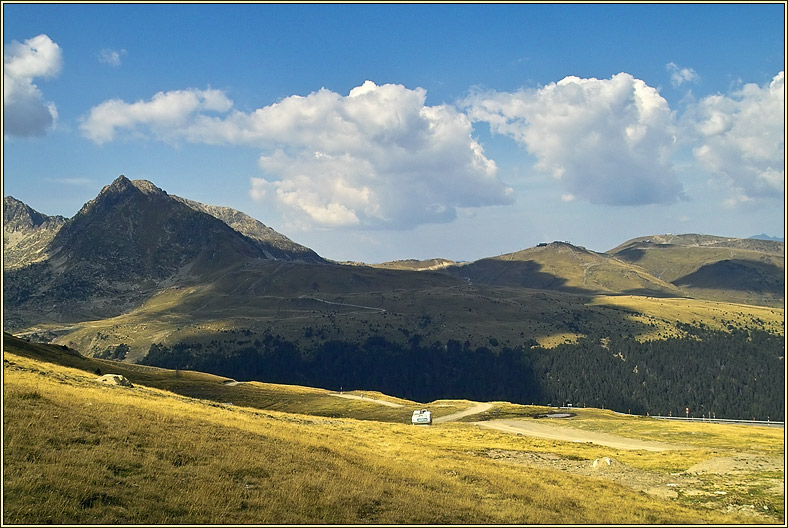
(738, 374)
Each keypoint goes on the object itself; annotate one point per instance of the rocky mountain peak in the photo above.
(123, 185)
(18, 215)
(147, 187)
(126, 242)
(26, 233)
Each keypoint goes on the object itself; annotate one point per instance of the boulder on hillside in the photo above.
(114, 379)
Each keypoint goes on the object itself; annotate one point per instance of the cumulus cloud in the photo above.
(679, 76)
(26, 113)
(111, 57)
(741, 139)
(377, 157)
(163, 116)
(607, 141)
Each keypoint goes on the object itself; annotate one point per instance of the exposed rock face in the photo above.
(26, 233)
(273, 244)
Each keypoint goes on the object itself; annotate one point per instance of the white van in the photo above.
(423, 417)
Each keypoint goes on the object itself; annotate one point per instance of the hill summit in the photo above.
(745, 270)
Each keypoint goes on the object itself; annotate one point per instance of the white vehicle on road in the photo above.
(423, 417)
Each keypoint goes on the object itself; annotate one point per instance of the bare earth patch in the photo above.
(373, 400)
(743, 463)
(541, 429)
(653, 483)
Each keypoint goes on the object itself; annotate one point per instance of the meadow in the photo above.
(185, 447)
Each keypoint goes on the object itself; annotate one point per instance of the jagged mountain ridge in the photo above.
(26, 233)
(273, 244)
(20, 221)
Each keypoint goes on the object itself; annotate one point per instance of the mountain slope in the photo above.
(136, 230)
(564, 267)
(274, 245)
(122, 246)
(749, 271)
(26, 233)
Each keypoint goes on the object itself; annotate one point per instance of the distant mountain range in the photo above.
(764, 236)
(137, 258)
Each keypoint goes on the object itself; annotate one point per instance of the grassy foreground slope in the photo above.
(76, 451)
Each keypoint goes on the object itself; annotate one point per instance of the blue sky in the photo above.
(389, 131)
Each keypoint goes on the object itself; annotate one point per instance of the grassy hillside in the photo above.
(76, 452)
(564, 267)
(417, 265)
(734, 270)
(309, 304)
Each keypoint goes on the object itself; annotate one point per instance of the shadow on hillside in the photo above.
(738, 275)
(514, 274)
(634, 254)
(529, 274)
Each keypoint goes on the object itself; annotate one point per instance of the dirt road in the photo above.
(373, 400)
(541, 429)
(476, 409)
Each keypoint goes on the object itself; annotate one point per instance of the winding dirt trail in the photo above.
(373, 400)
(548, 431)
(476, 409)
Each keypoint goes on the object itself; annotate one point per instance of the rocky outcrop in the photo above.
(273, 244)
(26, 233)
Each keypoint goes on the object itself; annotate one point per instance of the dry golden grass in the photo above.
(76, 452)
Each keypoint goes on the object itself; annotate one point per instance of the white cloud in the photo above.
(112, 57)
(741, 140)
(378, 157)
(164, 115)
(26, 113)
(607, 141)
(679, 76)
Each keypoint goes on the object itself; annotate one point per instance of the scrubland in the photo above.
(76, 451)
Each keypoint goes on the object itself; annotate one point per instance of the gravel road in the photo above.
(373, 400)
(540, 429)
(476, 409)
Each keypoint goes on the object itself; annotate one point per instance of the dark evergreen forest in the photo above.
(740, 374)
